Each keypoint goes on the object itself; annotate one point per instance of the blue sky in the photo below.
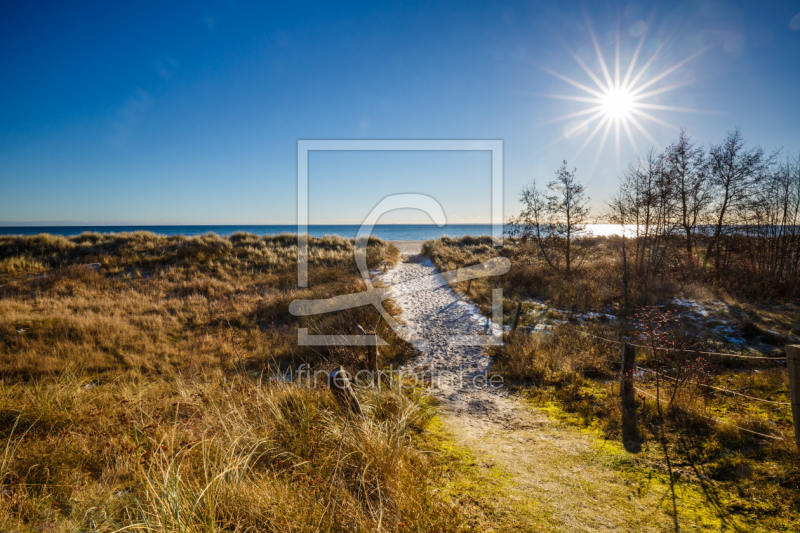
(190, 113)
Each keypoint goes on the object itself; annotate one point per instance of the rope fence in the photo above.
(715, 419)
(718, 354)
(627, 388)
(674, 379)
(651, 371)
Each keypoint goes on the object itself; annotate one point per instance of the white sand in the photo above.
(434, 312)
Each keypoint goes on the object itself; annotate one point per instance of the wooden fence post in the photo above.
(516, 317)
(793, 365)
(628, 368)
(469, 284)
(339, 383)
(631, 438)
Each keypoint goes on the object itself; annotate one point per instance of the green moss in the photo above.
(740, 491)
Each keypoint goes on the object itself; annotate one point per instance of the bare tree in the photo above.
(746, 202)
(645, 204)
(772, 217)
(644, 207)
(622, 211)
(685, 167)
(734, 173)
(554, 220)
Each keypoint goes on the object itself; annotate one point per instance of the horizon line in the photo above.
(121, 224)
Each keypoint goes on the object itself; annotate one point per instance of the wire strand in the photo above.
(682, 351)
(583, 356)
(717, 388)
(716, 419)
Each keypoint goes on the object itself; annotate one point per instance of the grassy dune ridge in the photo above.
(162, 303)
(141, 387)
(137, 391)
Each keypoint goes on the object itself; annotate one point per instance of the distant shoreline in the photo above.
(15, 225)
(390, 232)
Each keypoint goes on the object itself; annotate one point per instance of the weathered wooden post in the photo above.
(793, 365)
(516, 317)
(628, 367)
(339, 383)
(630, 432)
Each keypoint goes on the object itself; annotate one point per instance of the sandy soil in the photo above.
(559, 475)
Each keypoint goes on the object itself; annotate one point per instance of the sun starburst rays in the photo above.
(618, 99)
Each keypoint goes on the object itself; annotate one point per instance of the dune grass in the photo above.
(213, 453)
(143, 388)
(155, 304)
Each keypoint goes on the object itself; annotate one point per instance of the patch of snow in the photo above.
(693, 306)
(540, 328)
(592, 315)
(729, 333)
(535, 302)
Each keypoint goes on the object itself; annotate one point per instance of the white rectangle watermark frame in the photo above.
(304, 146)
(494, 326)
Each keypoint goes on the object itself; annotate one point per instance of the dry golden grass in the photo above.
(141, 388)
(213, 453)
(139, 301)
(597, 283)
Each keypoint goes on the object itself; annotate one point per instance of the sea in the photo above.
(389, 232)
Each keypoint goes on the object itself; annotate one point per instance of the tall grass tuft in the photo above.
(213, 454)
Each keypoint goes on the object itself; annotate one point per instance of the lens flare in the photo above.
(620, 100)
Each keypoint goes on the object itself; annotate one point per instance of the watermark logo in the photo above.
(376, 295)
(398, 378)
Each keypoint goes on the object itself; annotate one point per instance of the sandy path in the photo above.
(560, 478)
(435, 312)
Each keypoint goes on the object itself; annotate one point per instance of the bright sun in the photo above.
(617, 104)
(620, 99)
